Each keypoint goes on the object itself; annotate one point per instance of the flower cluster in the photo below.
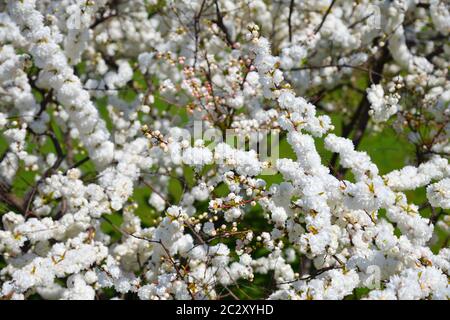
(109, 191)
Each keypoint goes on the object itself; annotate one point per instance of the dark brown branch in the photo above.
(361, 117)
(197, 30)
(314, 275)
(80, 163)
(47, 99)
(10, 199)
(103, 18)
(222, 26)
(60, 157)
(339, 66)
(379, 65)
(291, 9)
(166, 251)
(325, 17)
(354, 24)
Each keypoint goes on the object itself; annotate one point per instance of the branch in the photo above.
(177, 270)
(48, 172)
(197, 30)
(361, 116)
(339, 66)
(325, 17)
(222, 26)
(10, 199)
(80, 163)
(379, 65)
(47, 99)
(291, 9)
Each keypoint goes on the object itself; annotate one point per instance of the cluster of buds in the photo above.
(166, 56)
(253, 32)
(232, 201)
(155, 137)
(181, 216)
(393, 87)
(396, 84)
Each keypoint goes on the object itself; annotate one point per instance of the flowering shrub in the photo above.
(108, 190)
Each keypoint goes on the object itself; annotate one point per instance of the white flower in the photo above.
(439, 194)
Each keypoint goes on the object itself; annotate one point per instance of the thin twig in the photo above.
(177, 270)
(325, 17)
(291, 9)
